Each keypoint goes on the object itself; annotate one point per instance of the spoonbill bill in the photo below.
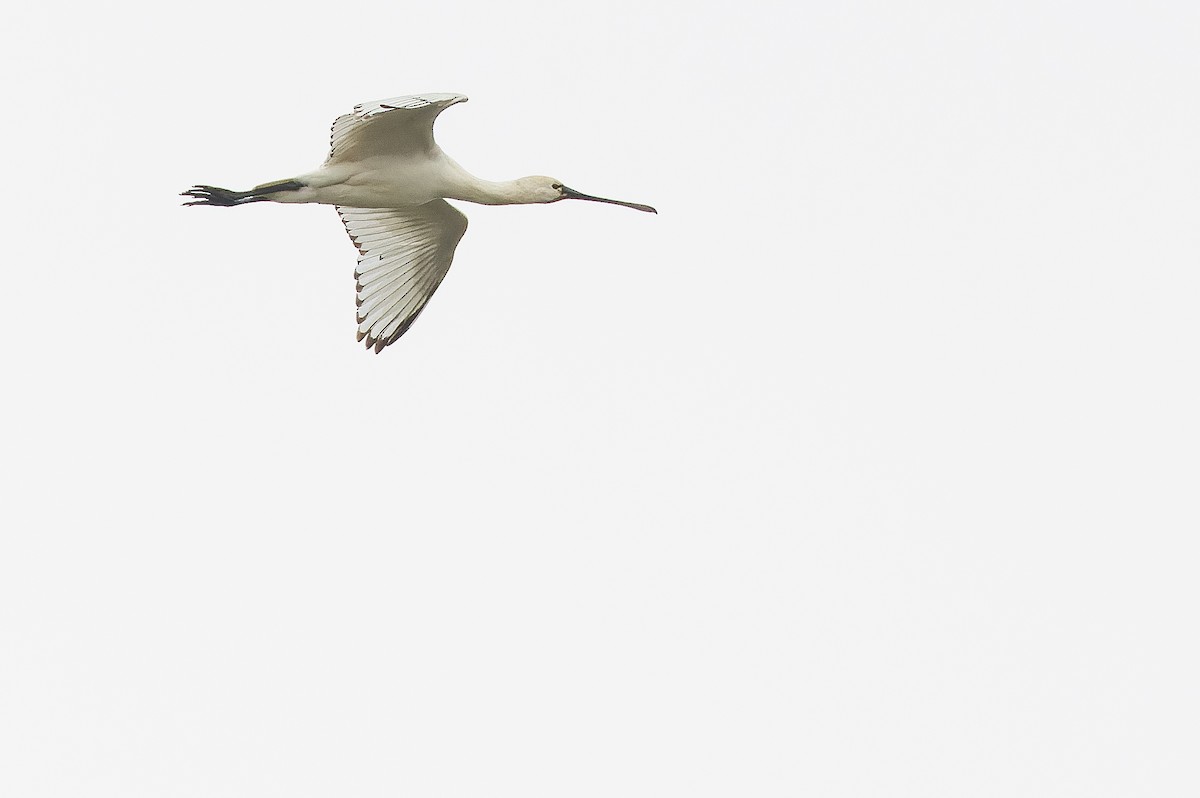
(389, 181)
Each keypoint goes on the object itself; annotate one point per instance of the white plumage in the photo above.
(403, 256)
(389, 181)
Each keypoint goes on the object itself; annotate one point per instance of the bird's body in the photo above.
(389, 181)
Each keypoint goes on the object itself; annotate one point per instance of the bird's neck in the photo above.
(466, 186)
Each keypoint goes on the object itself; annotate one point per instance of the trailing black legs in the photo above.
(223, 197)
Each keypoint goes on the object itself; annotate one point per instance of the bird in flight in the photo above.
(389, 181)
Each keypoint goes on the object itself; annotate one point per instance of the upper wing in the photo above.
(403, 255)
(388, 127)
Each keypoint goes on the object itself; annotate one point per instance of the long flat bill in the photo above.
(570, 193)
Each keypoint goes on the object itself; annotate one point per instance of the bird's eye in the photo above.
(556, 186)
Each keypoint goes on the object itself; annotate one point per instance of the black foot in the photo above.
(223, 197)
(211, 195)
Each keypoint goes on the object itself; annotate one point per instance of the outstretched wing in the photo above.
(388, 127)
(403, 255)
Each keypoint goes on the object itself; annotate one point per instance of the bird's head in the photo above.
(540, 188)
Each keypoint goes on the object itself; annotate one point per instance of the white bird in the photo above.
(389, 181)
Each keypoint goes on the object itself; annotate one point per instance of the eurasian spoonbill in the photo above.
(389, 181)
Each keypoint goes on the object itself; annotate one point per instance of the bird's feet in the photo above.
(212, 195)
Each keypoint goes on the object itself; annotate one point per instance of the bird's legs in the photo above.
(223, 197)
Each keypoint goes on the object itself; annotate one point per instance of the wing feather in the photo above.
(404, 254)
(388, 127)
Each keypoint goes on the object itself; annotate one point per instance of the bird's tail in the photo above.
(223, 197)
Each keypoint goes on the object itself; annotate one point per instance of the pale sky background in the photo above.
(867, 468)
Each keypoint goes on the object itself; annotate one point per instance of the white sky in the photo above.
(867, 468)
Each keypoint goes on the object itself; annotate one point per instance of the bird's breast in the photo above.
(379, 183)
